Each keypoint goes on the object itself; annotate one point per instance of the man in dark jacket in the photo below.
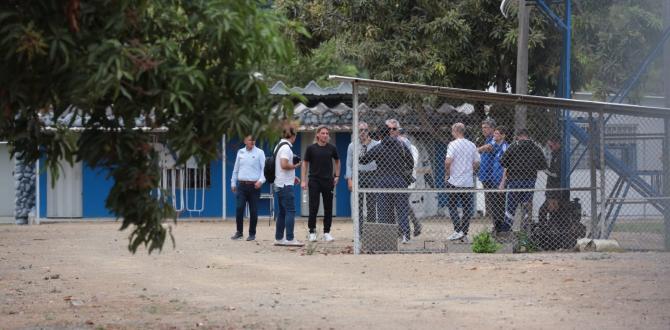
(521, 162)
(393, 160)
(555, 200)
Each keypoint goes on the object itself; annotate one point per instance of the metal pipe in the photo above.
(603, 168)
(593, 173)
(513, 99)
(354, 175)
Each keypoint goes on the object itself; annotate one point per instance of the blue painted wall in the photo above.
(343, 204)
(96, 187)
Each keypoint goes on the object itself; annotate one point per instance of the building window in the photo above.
(620, 142)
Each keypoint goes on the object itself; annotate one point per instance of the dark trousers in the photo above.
(516, 198)
(394, 207)
(247, 194)
(366, 181)
(495, 204)
(466, 201)
(317, 188)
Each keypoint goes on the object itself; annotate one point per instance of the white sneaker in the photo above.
(455, 236)
(280, 242)
(327, 237)
(405, 240)
(312, 237)
(294, 242)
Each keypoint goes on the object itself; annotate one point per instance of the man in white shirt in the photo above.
(246, 183)
(284, 180)
(460, 165)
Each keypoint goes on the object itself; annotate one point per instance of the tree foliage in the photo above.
(188, 66)
(611, 41)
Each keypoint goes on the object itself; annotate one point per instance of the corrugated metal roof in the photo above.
(312, 88)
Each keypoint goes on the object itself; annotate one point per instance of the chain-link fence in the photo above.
(439, 167)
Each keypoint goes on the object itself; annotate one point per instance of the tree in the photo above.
(612, 39)
(186, 65)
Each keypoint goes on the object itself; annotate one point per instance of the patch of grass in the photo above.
(524, 243)
(485, 243)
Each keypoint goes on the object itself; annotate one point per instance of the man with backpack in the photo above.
(284, 178)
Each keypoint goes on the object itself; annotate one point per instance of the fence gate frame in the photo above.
(598, 112)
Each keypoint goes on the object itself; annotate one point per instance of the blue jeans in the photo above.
(393, 207)
(286, 215)
(247, 193)
(514, 198)
(466, 201)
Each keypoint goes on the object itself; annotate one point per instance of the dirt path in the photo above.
(80, 275)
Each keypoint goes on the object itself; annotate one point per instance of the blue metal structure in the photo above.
(628, 177)
(565, 26)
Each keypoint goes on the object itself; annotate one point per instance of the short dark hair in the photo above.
(502, 129)
(288, 132)
(489, 122)
(554, 138)
(521, 132)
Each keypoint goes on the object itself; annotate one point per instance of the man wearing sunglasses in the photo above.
(393, 160)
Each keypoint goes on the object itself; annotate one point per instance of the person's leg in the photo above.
(452, 206)
(511, 203)
(468, 201)
(313, 191)
(290, 212)
(280, 223)
(327, 188)
(254, 197)
(498, 210)
(371, 204)
(241, 200)
(402, 207)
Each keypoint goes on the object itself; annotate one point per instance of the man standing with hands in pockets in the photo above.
(321, 181)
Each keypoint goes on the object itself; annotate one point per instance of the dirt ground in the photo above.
(80, 275)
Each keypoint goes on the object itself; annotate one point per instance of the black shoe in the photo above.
(237, 236)
(417, 230)
(251, 238)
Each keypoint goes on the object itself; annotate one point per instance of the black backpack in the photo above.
(269, 171)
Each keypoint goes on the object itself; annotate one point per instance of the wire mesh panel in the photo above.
(437, 169)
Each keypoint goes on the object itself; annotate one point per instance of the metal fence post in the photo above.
(666, 181)
(603, 169)
(355, 216)
(593, 174)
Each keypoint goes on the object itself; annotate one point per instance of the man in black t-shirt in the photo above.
(322, 180)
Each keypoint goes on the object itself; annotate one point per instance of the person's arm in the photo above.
(336, 169)
(370, 156)
(303, 175)
(349, 166)
(261, 162)
(285, 162)
(447, 167)
(303, 172)
(236, 170)
(485, 148)
(503, 180)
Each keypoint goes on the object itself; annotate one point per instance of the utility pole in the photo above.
(522, 63)
(666, 140)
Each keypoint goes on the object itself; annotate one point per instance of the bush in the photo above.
(484, 243)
